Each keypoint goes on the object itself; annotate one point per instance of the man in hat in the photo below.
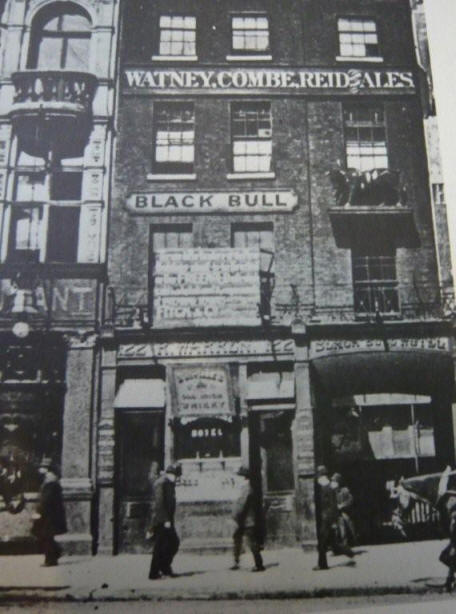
(166, 541)
(49, 519)
(245, 515)
(326, 511)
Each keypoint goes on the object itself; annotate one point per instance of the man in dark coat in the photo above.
(326, 510)
(245, 515)
(49, 519)
(166, 541)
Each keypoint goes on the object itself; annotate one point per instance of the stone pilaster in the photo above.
(105, 468)
(303, 443)
(245, 451)
(76, 445)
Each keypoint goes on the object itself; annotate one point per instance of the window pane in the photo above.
(63, 233)
(31, 187)
(50, 53)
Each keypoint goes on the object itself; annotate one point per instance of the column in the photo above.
(303, 444)
(245, 444)
(105, 450)
(76, 445)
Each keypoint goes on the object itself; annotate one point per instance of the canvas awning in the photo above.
(264, 386)
(144, 393)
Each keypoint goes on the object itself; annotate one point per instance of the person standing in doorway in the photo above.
(345, 530)
(49, 519)
(326, 511)
(245, 515)
(166, 541)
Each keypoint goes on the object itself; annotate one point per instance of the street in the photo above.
(398, 604)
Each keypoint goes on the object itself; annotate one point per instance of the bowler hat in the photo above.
(244, 471)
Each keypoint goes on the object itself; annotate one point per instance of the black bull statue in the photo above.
(439, 490)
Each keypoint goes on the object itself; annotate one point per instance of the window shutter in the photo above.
(89, 234)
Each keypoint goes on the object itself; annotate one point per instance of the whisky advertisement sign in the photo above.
(206, 287)
(289, 80)
(168, 203)
(202, 391)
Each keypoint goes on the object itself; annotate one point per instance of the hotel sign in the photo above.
(329, 347)
(206, 287)
(167, 203)
(309, 80)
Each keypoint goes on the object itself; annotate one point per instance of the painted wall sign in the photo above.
(202, 391)
(326, 347)
(206, 348)
(206, 287)
(67, 298)
(309, 80)
(167, 203)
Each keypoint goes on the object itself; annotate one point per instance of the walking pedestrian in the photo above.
(166, 541)
(345, 529)
(246, 513)
(326, 511)
(49, 519)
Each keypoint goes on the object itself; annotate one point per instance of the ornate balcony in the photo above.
(52, 109)
(371, 202)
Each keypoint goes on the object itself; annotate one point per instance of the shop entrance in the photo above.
(271, 462)
(139, 459)
(381, 417)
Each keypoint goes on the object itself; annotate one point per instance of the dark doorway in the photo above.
(139, 458)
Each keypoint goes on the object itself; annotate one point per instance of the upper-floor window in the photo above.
(375, 279)
(46, 217)
(60, 38)
(365, 137)
(251, 136)
(358, 38)
(169, 236)
(174, 129)
(259, 236)
(177, 36)
(250, 34)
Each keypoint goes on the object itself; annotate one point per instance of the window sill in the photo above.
(174, 58)
(350, 58)
(269, 175)
(171, 177)
(249, 58)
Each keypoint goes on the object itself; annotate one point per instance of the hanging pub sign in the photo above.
(202, 390)
(271, 80)
(166, 203)
(206, 287)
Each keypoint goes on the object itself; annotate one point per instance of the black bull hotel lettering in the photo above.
(351, 80)
(261, 201)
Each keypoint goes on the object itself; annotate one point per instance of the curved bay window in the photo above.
(60, 38)
(208, 437)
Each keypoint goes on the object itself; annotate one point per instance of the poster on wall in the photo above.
(206, 287)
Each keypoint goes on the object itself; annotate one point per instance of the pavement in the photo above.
(385, 569)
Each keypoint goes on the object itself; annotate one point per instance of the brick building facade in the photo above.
(274, 289)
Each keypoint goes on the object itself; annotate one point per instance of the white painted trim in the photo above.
(249, 58)
(174, 58)
(268, 175)
(171, 177)
(349, 58)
